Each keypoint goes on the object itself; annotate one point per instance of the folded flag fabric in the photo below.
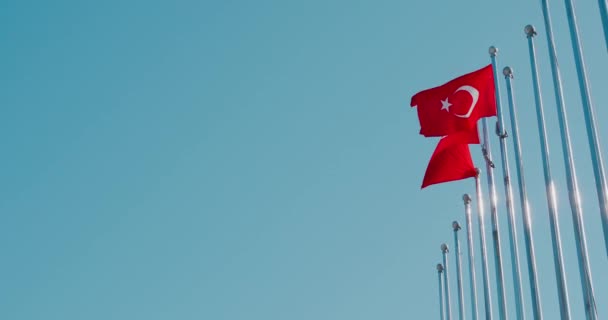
(451, 160)
(452, 111)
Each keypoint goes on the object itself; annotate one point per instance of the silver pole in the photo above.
(487, 297)
(523, 196)
(446, 280)
(473, 282)
(456, 227)
(558, 259)
(439, 277)
(573, 192)
(502, 296)
(601, 186)
(604, 14)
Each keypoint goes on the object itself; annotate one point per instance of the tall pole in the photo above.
(456, 228)
(589, 112)
(473, 282)
(573, 192)
(502, 297)
(558, 260)
(604, 14)
(446, 280)
(439, 277)
(523, 196)
(487, 296)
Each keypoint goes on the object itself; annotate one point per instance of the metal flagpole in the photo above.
(439, 271)
(589, 112)
(604, 14)
(573, 192)
(523, 196)
(456, 227)
(467, 210)
(487, 298)
(519, 299)
(558, 259)
(446, 285)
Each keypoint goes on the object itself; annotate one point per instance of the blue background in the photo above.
(259, 159)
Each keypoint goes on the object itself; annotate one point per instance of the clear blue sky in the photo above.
(259, 159)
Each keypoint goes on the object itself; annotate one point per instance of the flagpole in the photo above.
(473, 282)
(589, 112)
(604, 14)
(573, 192)
(487, 298)
(558, 260)
(456, 227)
(446, 280)
(439, 271)
(515, 263)
(523, 196)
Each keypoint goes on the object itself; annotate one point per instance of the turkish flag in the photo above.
(457, 105)
(452, 159)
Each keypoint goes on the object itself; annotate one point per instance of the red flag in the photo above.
(456, 105)
(452, 159)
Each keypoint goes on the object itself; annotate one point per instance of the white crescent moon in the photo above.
(474, 94)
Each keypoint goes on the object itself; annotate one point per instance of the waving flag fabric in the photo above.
(451, 111)
(456, 105)
(451, 160)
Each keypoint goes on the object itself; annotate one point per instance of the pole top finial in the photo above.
(530, 31)
(444, 248)
(477, 171)
(455, 226)
(466, 198)
(493, 51)
(508, 72)
(439, 268)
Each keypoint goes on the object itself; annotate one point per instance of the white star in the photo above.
(445, 105)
